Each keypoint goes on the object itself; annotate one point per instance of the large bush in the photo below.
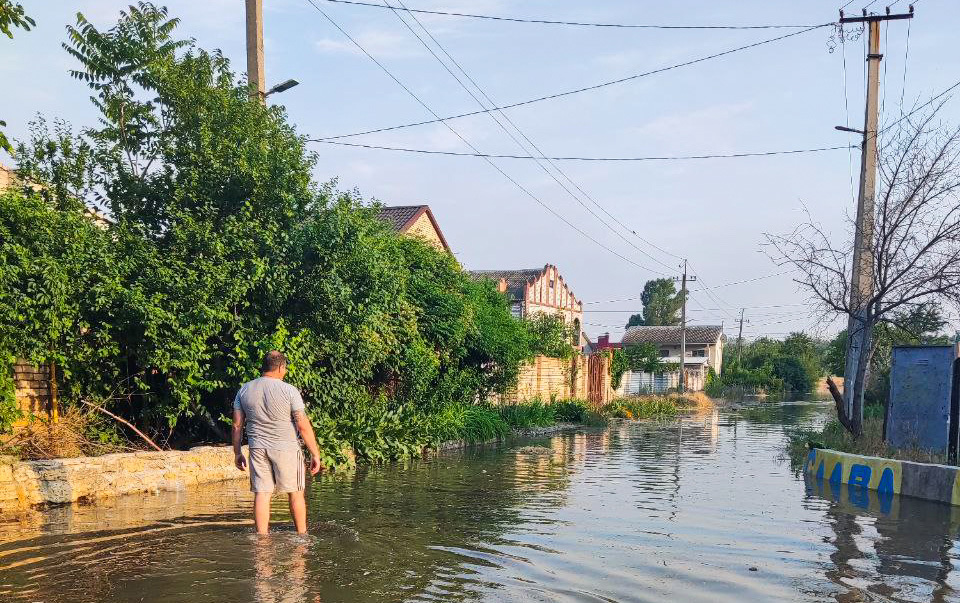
(218, 249)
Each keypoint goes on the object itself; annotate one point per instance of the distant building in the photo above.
(704, 344)
(7, 177)
(537, 290)
(416, 221)
(604, 343)
(704, 351)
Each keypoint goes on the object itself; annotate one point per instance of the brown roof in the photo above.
(699, 334)
(516, 279)
(402, 217)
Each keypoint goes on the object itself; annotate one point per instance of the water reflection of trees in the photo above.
(413, 530)
(910, 552)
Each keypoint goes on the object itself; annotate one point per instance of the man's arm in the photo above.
(238, 420)
(309, 438)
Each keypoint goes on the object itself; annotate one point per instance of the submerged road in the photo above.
(698, 509)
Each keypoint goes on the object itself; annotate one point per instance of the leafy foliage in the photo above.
(661, 304)
(571, 411)
(12, 16)
(648, 407)
(918, 325)
(220, 248)
(791, 365)
(531, 414)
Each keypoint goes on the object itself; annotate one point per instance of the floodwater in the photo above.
(699, 509)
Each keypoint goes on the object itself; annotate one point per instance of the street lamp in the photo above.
(281, 87)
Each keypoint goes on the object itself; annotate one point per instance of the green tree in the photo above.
(12, 16)
(219, 247)
(661, 303)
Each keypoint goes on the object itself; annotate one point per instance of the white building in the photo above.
(704, 351)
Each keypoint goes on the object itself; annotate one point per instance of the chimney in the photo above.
(603, 340)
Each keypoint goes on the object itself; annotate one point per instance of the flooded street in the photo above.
(699, 509)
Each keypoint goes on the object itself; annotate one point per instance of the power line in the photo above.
(466, 142)
(506, 118)
(906, 56)
(930, 101)
(571, 23)
(607, 159)
(846, 109)
(578, 90)
(730, 284)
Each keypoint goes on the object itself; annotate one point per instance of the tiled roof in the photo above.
(699, 334)
(516, 279)
(399, 216)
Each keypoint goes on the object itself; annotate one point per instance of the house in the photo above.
(537, 290)
(416, 221)
(704, 345)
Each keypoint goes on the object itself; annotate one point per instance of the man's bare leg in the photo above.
(261, 511)
(298, 508)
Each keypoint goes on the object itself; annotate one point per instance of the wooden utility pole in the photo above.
(862, 278)
(255, 76)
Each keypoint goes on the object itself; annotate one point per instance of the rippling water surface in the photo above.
(699, 509)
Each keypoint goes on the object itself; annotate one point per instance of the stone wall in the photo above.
(548, 378)
(26, 484)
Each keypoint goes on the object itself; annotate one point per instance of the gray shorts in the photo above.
(277, 470)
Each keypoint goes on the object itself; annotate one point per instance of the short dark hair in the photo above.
(272, 361)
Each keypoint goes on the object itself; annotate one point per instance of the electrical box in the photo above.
(922, 410)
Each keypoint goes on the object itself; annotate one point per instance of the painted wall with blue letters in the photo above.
(886, 476)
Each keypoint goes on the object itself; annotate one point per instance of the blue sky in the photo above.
(784, 95)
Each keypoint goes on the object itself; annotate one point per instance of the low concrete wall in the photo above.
(26, 484)
(886, 476)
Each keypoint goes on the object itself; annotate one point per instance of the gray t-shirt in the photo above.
(268, 405)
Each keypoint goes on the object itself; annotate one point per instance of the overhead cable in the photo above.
(571, 23)
(579, 90)
(500, 115)
(611, 159)
(468, 144)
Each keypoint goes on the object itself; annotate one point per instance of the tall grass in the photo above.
(469, 422)
(651, 407)
(571, 411)
(530, 414)
(835, 437)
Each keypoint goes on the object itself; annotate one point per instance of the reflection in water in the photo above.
(878, 537)
(679, 511)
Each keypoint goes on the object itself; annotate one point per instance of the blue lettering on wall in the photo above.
(836, 476)
(859, 475)
(886, 481)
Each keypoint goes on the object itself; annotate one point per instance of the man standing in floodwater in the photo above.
(274, 414)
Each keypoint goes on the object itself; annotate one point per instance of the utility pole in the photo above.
(683, 326)
(740, 339)
(862, 281)
(255, 76)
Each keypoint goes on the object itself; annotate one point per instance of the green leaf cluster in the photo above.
(218, 248)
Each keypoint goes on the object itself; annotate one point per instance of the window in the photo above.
(664, 352)
(551, 283)
(699, 353)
